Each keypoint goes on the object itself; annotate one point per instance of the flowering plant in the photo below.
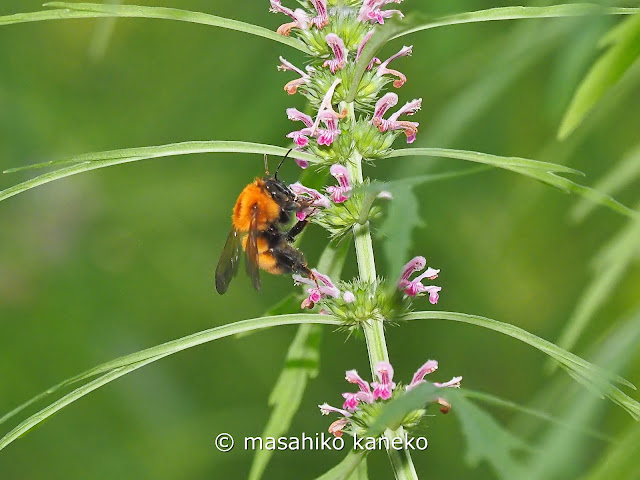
(350, 120)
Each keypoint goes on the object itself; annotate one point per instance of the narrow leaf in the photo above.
(485, 158)
(346, 468)
(621, 459)
(560, 447)
(169, 348)
(47, 15)
(403, 217)
(92, 161)
(539, 414)
(587, 374)
(476, 424)
(609, 267)
(515, 13)
(604, 74)
(302, 364)
(623, 174)
(394, 28)
(68, 10)
(543, 171)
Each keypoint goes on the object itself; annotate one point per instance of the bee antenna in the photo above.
(275, 175)
(266, 164)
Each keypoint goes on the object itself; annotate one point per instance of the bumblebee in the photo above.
(261, 210)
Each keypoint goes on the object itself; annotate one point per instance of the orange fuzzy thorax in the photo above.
(268, 209)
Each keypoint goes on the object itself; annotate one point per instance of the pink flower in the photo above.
(381, 390)
(322, 18)
(363, 43)
(339, 194)
(365, 394)
(299, 16)
(339, 52)
(321, 287)
(350, 401)
(415, 287)
(326, 409)
(300, 137)
(453, 383)
(371, 12)
(385, 386)
(383, 70)
(326, 115)
(292, 86)
(313, 198)
(418, 377)
(392, 123)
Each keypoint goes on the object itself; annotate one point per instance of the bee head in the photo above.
(279, 190)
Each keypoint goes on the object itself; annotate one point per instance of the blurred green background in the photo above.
(116, 260)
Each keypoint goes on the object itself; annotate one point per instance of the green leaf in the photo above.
(623, 174)
(121, 366)
(560, 446)
(394, 412)
(543, 171)
(514, 13)
(394, 186)
(403, 216)
(508, 163)
(605, 73)
(587, 374)
(361, 472)
(92, 161)
(621, 458)
(395, 28)
(539, 414)
(348, 468)
(476, 424)
(302, 364)
(590, 194)
(608, 268)
(67, 10)
(47, 15)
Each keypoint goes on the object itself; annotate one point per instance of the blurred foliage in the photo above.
(113, 261)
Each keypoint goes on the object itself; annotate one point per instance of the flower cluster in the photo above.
(359, 408)
(344, 117)
(337, 35)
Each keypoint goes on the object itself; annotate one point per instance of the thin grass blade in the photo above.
(92, 161)
(178, 345)
(138, 11)
(589, 375)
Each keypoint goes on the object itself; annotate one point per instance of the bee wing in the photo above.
(229, 261)
(251, 250)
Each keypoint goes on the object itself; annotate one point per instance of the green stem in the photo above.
(401, 462)
(367, 203)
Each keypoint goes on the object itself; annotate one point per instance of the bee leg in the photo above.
(296, 230)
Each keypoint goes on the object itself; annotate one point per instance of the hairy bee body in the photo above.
(262, 208)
